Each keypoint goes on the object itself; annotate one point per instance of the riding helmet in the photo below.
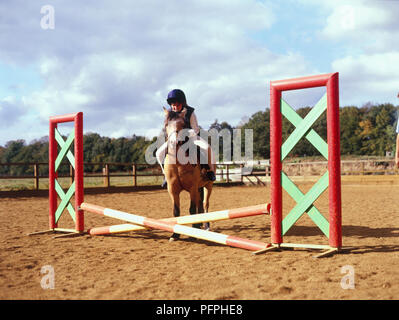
(176, 95)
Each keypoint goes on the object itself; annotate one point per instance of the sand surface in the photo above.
(145, 265)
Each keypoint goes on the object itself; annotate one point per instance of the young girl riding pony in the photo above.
(177, 101)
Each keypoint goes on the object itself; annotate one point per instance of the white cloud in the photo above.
(365, 34)
(372, 77)
(116, 63)
(372, 25)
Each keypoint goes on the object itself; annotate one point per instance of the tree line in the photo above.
(368, 130)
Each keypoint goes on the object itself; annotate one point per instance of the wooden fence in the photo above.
(231, 172)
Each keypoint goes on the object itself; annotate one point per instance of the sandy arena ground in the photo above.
(146, 266)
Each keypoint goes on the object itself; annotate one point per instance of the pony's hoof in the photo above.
(174, 237)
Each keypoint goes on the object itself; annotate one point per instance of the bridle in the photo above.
(172, 135)
(174, 132)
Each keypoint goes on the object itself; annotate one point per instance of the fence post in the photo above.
(134, 176)
(227, 173)
(36, 175)
(71, 173)
(106, 175)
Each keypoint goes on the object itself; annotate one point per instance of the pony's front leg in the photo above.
(201, 209)
(176, 213)
(205, 198)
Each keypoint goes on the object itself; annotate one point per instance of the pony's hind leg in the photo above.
(201, 201)
(207, 195)
(193, 210)
(195, 205)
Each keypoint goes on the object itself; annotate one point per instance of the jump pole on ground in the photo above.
(211, 236)
(196, 218)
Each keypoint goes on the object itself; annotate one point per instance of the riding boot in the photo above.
(211, 175)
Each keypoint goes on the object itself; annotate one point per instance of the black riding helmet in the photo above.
(176, 95)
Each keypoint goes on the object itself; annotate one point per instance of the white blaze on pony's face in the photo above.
(174, 121)
(172, 135)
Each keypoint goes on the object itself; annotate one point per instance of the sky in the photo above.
(116, 61)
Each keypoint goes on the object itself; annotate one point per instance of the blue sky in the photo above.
(117, 62)
(18, 80)
(294, 29)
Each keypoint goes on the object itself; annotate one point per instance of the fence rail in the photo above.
(228, 172)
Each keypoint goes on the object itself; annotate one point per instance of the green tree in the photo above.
(351, 141)
(225, 145)
(377, 131)
(259, 122)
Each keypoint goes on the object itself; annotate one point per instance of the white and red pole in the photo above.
(196, 218)
(176, 228)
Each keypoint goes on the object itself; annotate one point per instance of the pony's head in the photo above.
(174, 121)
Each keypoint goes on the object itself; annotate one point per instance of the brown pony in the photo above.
(180, 176)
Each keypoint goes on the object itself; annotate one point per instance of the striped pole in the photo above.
(196, 218)
(176, 228)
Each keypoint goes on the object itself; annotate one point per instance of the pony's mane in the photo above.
(172, 115)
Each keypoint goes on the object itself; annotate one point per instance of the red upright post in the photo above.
(52, 175)
(275, 164)
(334, 162)
(79, 171)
